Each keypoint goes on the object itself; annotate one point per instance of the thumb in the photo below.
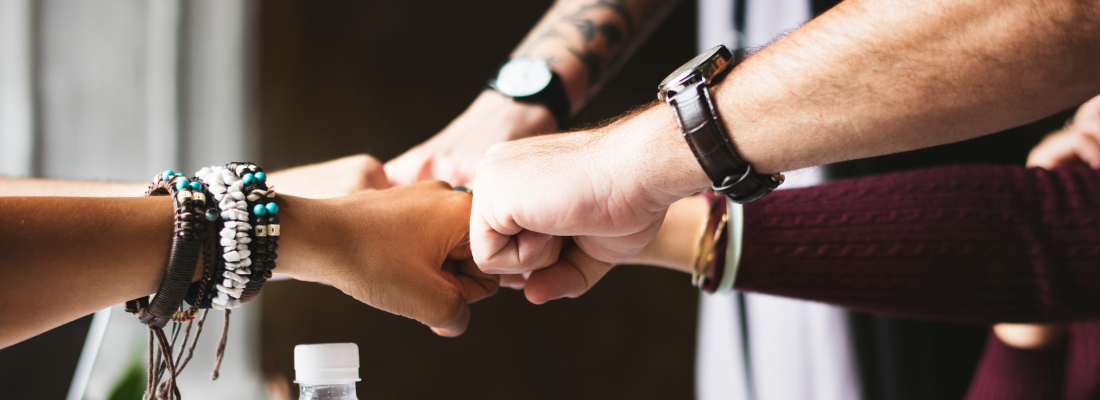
(456, 326)
(573, 274)
(408, 168)
(493, 149)
(505, 247)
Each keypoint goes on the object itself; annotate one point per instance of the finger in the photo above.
(405, 169)
(456, 326)
(474, 284)
(1030, 336)
(439, 303)
(462, 251)
(424, 173)
(1088, 149)
(493, 149)
(573, 274)
(507, 248)
(617, 249)
(512, 281)
(1056, 150)
(376, 177)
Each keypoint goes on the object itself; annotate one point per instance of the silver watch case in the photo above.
(704, 67)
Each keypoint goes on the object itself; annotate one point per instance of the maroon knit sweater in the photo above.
(976, 244)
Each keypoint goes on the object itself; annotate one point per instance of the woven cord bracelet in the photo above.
(190, 201)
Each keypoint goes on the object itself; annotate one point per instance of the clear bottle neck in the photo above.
(327, 391)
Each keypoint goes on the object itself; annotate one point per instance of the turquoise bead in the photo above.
(248, 179)
(167, 174)
(259, 209)
(180, 184)
(196, 185)
(272, 208)
(179, 174)
(260, 176)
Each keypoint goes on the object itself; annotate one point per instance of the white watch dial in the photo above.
(523, 77)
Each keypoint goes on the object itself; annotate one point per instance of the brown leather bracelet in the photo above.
(186, 244)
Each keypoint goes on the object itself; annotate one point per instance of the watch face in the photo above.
(708, 64)
(523, 77)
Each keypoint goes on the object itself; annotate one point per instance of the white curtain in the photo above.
(797, 349)
(118, 90)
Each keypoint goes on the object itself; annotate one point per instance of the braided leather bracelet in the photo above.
(187, 238)
(200, 294)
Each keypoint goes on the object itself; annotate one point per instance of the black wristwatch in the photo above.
(686, 90)
(532, 81)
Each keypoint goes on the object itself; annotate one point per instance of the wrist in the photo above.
(305, 237)
(651, 150)
(525, 119)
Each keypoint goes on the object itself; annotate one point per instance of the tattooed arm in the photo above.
(585, 42)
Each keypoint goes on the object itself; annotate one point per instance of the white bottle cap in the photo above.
(326, 363)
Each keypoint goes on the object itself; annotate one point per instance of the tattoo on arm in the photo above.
(599, 33)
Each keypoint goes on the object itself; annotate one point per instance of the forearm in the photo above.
(352, 174)
(54, 187)
(586, 41)
(66, 257)
(877, 77)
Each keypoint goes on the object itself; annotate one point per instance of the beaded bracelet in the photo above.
(189, 198)
(200, 293)
(265, 223)
(227, 190)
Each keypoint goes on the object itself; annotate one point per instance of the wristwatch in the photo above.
(531, 81)
(686, 90)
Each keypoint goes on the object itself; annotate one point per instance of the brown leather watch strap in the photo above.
(729, 174)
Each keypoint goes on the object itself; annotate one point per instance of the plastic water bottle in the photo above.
(326, 371)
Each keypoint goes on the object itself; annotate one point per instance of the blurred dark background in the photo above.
(336, 78)
(345, 77)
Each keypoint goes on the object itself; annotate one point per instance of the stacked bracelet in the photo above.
(234, 235)
(189, 201)
(200, 294)
(264, 220)
(229, 201)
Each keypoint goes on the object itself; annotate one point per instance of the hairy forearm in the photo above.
(878, 77)
(585, 41)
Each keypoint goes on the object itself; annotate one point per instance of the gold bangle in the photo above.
(703, 256)
(698, 250)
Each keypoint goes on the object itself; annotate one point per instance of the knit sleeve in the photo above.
(973, 244)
